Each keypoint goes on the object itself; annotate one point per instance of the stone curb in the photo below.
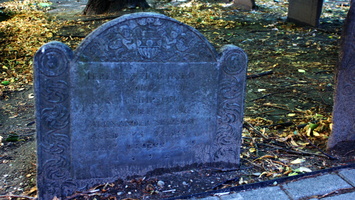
(348, 178)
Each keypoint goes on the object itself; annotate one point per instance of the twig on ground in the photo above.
(258, 114)
(17, 196)
(282, 108)
(255, 130)
(259, 75)
(280, 163)
(256, 149)
(320, 150)
(262, 97)
(256, 165)
(285, 124)
(293, 151)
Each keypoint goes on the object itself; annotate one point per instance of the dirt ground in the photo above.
(18, 158)
(299, 64)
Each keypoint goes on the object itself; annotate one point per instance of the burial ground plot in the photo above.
(142, 94)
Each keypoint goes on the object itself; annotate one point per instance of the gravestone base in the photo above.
(167, 185)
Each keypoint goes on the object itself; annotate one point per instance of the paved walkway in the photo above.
(331, 184)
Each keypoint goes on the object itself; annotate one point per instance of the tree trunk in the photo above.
(342, 139)
(96, 7)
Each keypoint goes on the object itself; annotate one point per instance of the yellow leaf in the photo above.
(309, 131)
(252, 150)
(297, 161)
(316, 134)
(291, 114)
(303, 143)
(49, 35)
(294, 143)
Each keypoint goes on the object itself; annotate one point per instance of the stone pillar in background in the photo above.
(305, 12)
(342, 139)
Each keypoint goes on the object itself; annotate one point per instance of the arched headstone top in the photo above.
(145, 37)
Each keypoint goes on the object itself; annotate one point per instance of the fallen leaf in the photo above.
(293, 174)
(297, 161)
(5, 82)
(303, 169)
(252, 150)
(291, 114)
(13, 116)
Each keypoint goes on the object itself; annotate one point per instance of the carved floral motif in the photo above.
(144, 39)
(53, 62)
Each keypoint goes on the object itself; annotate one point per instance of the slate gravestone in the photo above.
(142, 94)
(342, 139)
(305, 12)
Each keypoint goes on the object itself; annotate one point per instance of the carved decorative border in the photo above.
(231, 95)
(52, 86)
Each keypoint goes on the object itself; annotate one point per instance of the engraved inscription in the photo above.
(130, 106)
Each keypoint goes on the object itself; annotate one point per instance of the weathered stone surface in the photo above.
(142, 94)
(305, 12)
(342, 139)
(244, 4)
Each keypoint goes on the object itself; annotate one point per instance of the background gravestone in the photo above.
(342, 139)
(305, 12)
(244, 4)
(142, 93)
